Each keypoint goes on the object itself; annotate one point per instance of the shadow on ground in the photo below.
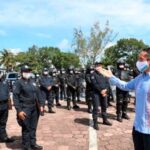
(16, 145)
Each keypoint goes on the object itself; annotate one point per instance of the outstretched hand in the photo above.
(104, 72)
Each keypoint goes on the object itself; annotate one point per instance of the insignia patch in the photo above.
(92, 77)
(34, 84)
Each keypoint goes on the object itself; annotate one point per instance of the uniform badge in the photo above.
(34, 84)
(92, 77)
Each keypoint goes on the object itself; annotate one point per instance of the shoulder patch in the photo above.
(92, 77)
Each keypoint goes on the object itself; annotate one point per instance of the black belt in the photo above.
(28, 103)
(4, 102)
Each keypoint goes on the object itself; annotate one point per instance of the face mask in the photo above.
(91, 71)
(71, 72)
(26, 75)
(121, 66)
(142, 65)
(45, 72)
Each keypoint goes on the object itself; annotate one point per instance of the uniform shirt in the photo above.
(71, 81)
(45, 81)
(26, 92)
(98, 82)
(141, 85)
(4, 94)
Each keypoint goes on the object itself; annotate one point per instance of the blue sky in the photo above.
(51, 22)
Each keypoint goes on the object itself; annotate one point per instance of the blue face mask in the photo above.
(142, 65)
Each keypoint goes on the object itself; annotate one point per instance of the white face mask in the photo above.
(121, 66)
(45, 72)
(26, 75)
(142, 65)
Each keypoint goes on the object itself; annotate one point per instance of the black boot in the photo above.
(119, 118)
(68, 105)
(51, 110)
(7, 140)
(95, 126)
(106, 122)
(125, 116)
(76, 107)
(89, 110)
(36, 147)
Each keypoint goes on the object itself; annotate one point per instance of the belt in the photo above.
(4, 102)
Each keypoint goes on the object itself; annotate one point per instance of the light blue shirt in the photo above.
(141, 85)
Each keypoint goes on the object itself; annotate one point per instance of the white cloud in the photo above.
(43, 35)
(15, 50)
(64, 45)
(37, 13)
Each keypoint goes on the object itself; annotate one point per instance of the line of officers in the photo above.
(30, 96)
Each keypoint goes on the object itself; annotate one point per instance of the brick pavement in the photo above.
(69, 130)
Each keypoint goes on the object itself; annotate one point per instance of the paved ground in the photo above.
(71, 130)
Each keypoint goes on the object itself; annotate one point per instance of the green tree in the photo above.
(7, 59)
(127, 49)
(91, 48)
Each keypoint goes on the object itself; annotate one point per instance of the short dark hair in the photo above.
(96, 64)
(147, 50)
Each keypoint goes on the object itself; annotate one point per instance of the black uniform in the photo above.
(27, 99)
(62, 79)
(78, 85)
(4, 96)
(122, 96)
(55, 89)
(71, 89)
(88, 91)
(99, 83)
(44, 82)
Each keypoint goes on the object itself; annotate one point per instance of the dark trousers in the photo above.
(141, 141)
(78, 91)
(98, 100)
(55, 93)
(3, 121)
(71, 95)
(88, 98)
(122, 103)
(47, 95)
(62, 92)
(29, 126)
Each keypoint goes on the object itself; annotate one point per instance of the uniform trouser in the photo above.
(97, 101)
(122, 103)
(29, 126)
(3, 121)
(55, 93)
(141, 141)
(70, 96)
(47, 95)
(62, 92)
(88, 98)
(78, 91)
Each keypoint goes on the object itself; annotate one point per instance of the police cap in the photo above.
(25, 68)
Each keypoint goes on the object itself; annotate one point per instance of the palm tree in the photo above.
(7, 59)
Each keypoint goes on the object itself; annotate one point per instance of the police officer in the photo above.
(46, 82)
(79, 83)
(4, 107)
(88, 91)
(63, 85)
(71, 89)
(99, 86)
(55, 87)
(121, 96)
(28, 104)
